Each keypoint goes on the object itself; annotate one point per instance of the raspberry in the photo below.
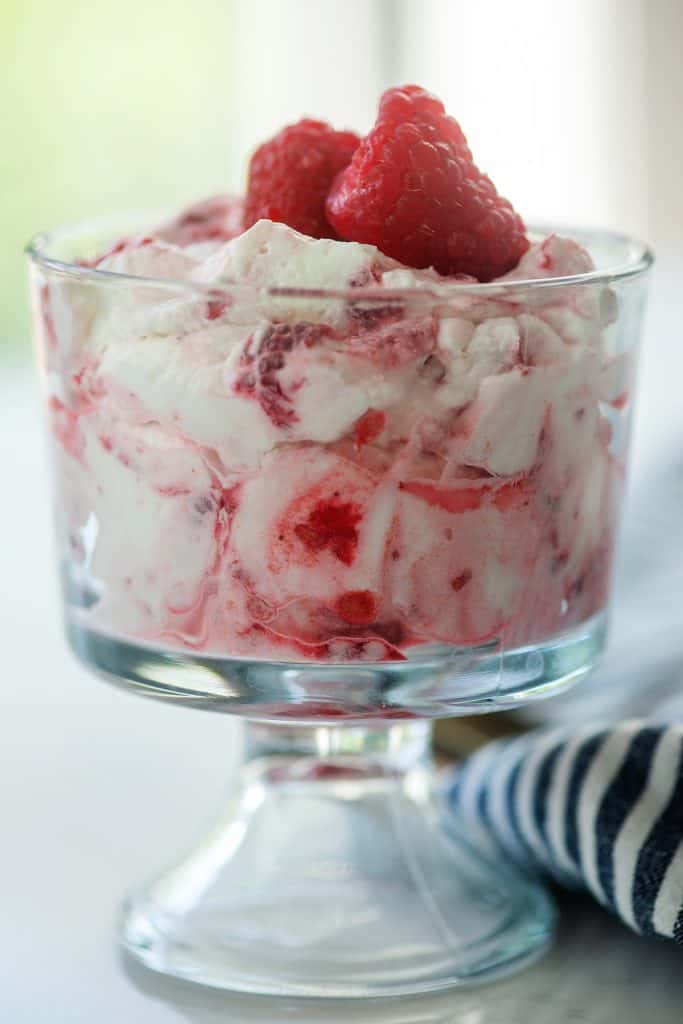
(218, 218)
(413, 190)
(509, 495)
(333, 525)
(369, 426)
(259, 376)
(48, 319)
(291, 174)
(462, 580)
(215, 308)
(66, 428)
(357, 607)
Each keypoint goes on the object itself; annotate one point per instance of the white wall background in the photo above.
(549, 95)
(573, 108)
(664, 105)
(329, 59)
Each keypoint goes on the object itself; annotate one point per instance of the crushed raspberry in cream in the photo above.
(299, 477)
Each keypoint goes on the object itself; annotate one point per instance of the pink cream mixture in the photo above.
(315, 477)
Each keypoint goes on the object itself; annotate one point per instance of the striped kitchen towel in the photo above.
(598, 808)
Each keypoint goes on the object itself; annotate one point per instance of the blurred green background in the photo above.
(104, 107)
(111, 106)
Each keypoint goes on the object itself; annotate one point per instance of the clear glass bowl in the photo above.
(339, 514)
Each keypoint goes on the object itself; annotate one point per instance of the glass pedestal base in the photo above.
(336, 872)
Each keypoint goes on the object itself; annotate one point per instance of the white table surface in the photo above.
(99, 789)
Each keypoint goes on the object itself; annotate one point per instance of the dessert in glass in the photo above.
(341, 457)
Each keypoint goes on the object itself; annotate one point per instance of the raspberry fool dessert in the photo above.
(331, 421)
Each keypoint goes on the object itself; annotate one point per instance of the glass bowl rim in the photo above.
(639, 258)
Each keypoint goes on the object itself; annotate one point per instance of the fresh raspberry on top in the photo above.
(413, 190)
(291, 175)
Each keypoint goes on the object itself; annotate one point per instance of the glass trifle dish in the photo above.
(341, 457)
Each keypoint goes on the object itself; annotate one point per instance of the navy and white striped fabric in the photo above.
(595, 808)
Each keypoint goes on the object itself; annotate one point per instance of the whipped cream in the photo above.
(381, 462)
